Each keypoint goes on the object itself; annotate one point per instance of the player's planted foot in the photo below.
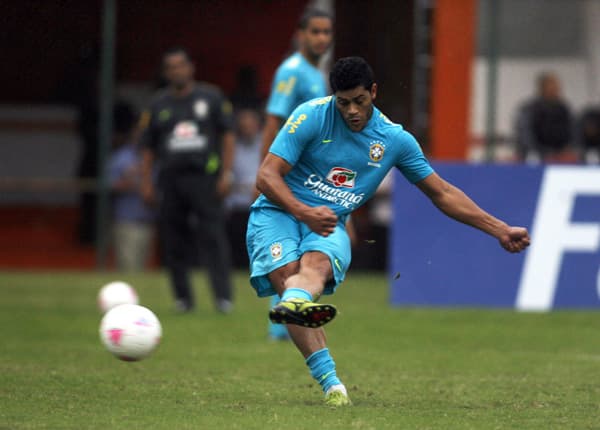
(337, 396)
(302, 312)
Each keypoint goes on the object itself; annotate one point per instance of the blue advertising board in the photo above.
(436, 261)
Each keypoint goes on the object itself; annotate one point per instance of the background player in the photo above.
(326, 162)
(297, 80)
(189, 135)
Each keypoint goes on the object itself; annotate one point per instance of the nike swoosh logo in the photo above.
(325, 376)
(327, 140)
(337, 264)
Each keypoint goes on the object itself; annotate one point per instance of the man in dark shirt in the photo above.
(189, 136)
(545, 124)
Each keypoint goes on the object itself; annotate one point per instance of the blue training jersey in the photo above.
(296, 81)
(339, 168)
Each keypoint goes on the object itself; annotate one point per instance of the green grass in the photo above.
(405, 368)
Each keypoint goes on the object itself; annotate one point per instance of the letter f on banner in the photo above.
(553, 234)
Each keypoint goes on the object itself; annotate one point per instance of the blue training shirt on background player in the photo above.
(296, 81)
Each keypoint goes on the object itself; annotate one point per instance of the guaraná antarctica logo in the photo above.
(340, 179)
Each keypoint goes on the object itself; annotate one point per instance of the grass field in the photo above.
(405, 368)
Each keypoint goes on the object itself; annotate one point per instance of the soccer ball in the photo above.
(116, 293)
(130, 332)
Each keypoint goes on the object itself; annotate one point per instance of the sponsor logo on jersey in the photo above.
(340, 196)
(186, 137)
(341, 177)
(320, 101)
(286, 87)
(337, 264)
(276, 251)
(294, 124)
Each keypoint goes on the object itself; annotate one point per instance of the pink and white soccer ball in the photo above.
(130, 332)
(116, 293)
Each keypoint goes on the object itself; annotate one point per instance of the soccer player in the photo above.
(325, 162)
(298, 79)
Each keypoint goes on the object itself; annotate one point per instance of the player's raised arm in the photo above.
(269, 181)
(456, 204)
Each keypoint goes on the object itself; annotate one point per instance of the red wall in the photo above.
(42, 40)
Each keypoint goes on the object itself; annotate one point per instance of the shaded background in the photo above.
(453, 72)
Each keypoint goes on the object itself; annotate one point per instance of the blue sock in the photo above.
(322, 368)
(296, 293)
(277, 331)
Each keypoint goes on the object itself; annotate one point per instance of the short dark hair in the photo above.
(350, 72)
(310, 14)
(176, 50)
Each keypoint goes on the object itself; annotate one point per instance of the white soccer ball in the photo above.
(116, 293)
(130, 332)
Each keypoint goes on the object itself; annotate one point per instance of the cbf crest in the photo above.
(276, 251)
(201, 109)
(376, 151)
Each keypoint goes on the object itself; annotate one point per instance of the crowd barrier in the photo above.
(436, 261)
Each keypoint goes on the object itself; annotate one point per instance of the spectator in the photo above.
(544, 127)
(245, 165)
(133, 221)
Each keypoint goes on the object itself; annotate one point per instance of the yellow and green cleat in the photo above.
(302, 312)
(337, 398)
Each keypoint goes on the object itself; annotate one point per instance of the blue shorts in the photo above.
(275, 238)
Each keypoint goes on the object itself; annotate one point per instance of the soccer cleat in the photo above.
(337, 398)
(224, 306)
(302, 312)
(183, 306)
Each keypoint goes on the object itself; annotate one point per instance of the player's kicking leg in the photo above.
(296, 305)
(298, 283)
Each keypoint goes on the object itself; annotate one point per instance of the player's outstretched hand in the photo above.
(515, 239)
(321, 219)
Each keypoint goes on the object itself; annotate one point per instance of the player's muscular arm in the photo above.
(456, 204)
(269, 181)
(272, 125)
